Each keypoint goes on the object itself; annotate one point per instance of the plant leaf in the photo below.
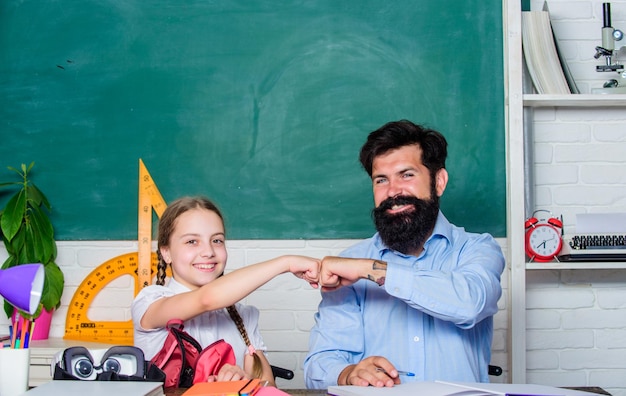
(13, 215)
(53, 286)
(33, 247)
(8, 309)
(16, 245)
(37, 196)
(41, 223)
(45, 246)
(9, 262)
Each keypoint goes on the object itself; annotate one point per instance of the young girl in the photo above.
(191, 239)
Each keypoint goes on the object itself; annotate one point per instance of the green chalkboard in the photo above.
(260, 105)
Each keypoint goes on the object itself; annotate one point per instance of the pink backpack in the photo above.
(183, 360)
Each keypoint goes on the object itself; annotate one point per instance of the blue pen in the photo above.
(400, 372)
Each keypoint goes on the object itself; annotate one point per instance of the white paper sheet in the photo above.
(600, 223)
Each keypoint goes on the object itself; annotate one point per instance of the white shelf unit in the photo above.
(516, 102)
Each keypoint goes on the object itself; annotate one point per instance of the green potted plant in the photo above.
(28, 237)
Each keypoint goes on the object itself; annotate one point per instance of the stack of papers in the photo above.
(601, 223)
(441, 388)
(97, 388)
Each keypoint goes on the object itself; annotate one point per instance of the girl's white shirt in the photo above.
(207, 327)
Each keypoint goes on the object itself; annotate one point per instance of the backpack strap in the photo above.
(178, 355)
(177, 323)
(168, 351)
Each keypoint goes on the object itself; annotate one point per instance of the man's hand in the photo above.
(336, 272)
(374, 370)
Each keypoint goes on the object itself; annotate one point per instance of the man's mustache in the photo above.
(398, 200)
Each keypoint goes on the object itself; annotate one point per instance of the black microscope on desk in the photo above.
(609, 36)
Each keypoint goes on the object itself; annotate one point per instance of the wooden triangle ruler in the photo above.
(141, 265)
(149, 198)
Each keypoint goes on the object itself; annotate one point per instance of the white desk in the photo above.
(42, 353)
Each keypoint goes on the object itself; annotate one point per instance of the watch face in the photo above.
(544, 241)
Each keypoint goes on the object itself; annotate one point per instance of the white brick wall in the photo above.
(576, 331)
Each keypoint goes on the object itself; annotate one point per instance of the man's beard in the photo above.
(406, 231)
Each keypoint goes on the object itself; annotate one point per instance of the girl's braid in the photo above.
(257, 366)
(161, 267)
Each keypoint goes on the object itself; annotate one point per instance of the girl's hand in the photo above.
(229, 372)
(307, 268)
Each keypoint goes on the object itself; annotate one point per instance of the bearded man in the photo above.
(415, 302)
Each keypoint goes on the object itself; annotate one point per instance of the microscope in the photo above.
(608, 51)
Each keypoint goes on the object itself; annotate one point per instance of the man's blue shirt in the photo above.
(433, 316)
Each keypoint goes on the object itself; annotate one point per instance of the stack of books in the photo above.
(546, 66)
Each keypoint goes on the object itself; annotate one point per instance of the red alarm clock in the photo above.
(543, 237)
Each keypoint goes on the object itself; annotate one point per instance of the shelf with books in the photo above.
(546, 67)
